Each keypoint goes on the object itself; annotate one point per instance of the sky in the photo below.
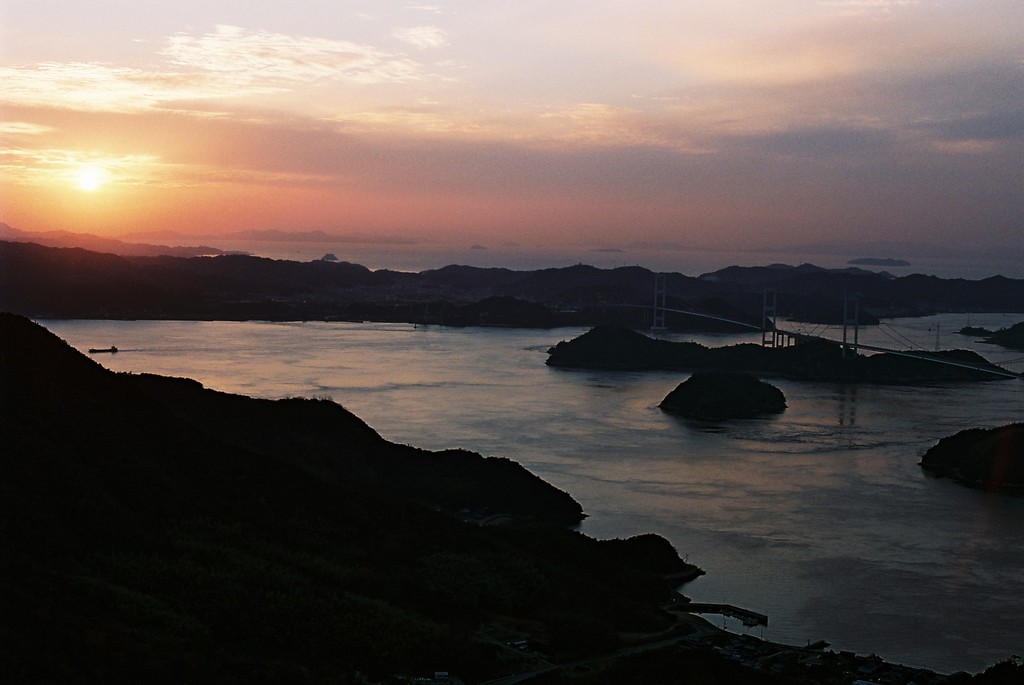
(675, 123)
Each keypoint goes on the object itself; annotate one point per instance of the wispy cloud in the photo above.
(27, 166)
(965, 147)
(253, 56)
(230, 62)
(432, 9)
(602, 125)
(423, 37)
(102, 87)
(855, 7)
(21, 128)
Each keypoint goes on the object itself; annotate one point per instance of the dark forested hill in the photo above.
(45, 282)
(156, 531)
(617, 348)
(986, 458)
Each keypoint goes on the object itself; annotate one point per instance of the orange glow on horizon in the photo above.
(713, 124)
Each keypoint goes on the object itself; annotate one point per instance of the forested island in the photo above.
(986, 458)
(717, 396)
(618, 348)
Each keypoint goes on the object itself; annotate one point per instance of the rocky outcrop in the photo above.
(990, 459)
(721, 396)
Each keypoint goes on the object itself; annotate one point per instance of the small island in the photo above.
(986, 458)
(721, 396)
(1012, 337)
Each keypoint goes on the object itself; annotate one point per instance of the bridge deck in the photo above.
(914, 354)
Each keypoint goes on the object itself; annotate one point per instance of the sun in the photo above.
(90, 177)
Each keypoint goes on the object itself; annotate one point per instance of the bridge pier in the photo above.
(849, 320)
(784, 339)
(658, 325)
(769, 331)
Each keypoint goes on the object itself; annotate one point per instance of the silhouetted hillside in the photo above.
(156, 531)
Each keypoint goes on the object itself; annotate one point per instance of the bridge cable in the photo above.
(898, 337)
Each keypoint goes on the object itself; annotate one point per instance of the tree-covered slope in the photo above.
(155, 531)
(986, 458)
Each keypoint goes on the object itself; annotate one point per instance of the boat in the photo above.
(97, 350)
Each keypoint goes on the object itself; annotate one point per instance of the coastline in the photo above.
(694, 637)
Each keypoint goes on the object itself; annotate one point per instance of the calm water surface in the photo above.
(820, 518)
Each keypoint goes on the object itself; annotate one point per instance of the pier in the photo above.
(748, 617)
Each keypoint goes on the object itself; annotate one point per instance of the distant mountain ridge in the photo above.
(101, 244)
(43, 282)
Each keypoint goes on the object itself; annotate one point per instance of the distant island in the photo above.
(878, 261)
(1012, 337)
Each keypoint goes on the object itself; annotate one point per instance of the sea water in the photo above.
(820, 517)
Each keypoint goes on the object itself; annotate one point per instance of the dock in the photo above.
(748, 617)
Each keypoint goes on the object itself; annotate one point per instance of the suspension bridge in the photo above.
(774, 336)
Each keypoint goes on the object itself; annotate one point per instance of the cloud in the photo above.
(965, 147)
(431, 9)
(261, 55)
(859, 7)
(988, 127)
(423, 37)
(822, 142)
(230, 62)
(21, 128)
(102, 87)
(25, 166)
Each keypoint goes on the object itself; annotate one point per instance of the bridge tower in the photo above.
(658, 324)
(851, 317)
(769, 332)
